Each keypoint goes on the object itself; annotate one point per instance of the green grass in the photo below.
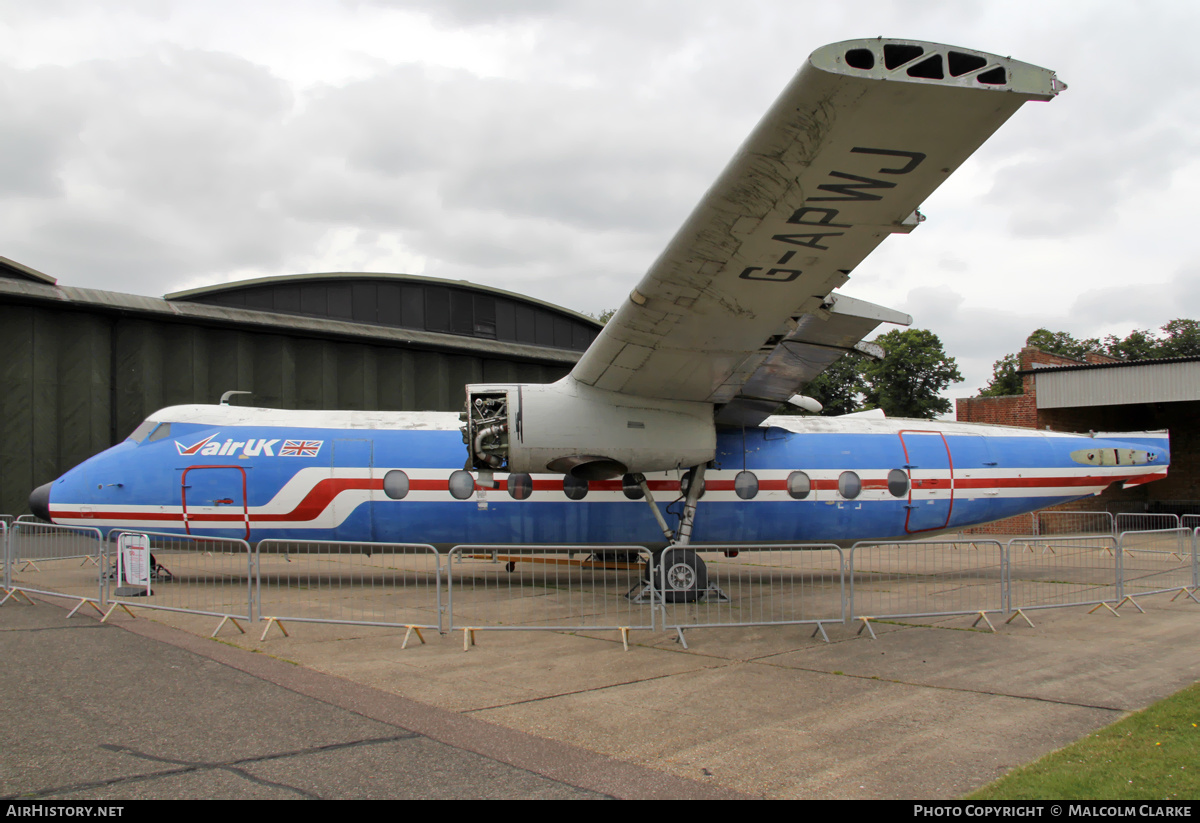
(1151, 755)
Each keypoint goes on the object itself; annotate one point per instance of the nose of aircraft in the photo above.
(39, 502)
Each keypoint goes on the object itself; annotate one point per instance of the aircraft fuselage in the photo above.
(398, 478)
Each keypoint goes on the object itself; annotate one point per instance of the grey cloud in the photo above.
(1142, 303)
(1083, 187)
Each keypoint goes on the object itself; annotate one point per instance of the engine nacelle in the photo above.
(589, 433)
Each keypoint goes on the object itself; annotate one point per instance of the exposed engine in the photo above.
(591, 434)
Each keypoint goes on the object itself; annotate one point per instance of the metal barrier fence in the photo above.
(1048, 572)
(578, 588)
(926, 578)
(197, 575)
(1066, 522)
(1157, 561)
(61, 561)
(369, 584)
(754, 586)
(545, 587)
(1146, 521)
(1190, 521)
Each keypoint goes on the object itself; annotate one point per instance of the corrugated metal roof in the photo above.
(28, 291)
(206, 291)
(11, 268)
(1168, 380)
(1122, 365)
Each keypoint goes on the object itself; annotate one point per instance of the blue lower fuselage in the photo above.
(811, 481)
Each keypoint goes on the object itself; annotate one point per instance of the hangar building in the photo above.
(82, 368)
(1104, 394)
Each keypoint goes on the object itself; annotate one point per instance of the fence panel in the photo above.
(1156, 561)
(197, 575)
(370, 584)
(926, 578)
(1071, 523)
(63, 560)
(1145, 521)
(755, 586)
(1190, 521)
(548, 587)
(1047, 572)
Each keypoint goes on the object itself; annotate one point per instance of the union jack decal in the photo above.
(300, 448)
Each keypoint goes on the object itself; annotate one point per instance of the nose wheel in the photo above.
(682, 575)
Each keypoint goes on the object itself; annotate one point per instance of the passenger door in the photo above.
(930, 480)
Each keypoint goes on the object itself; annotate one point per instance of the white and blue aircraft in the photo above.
(673, 399)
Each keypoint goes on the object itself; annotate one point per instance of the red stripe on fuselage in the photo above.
(322, 494)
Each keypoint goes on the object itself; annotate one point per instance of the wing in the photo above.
(738, 310)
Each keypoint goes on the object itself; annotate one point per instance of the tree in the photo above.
(909, 380)
(1059, 342)
(906, 383)
(839, 389)
(1005, 379)
(1176, 338)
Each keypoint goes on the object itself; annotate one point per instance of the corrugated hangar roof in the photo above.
(407, 301)
(1167, 380)
(26, 291)
(11, 268)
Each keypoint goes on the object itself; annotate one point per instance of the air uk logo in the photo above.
(255, 447)
(194, 449)
(300, 448)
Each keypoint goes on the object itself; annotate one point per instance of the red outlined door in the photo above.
(214, 497)
(930, 480)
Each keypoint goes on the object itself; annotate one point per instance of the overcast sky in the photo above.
(552, 147)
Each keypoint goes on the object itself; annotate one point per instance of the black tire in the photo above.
(682, 575)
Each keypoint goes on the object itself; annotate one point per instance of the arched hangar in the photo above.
(82, 367)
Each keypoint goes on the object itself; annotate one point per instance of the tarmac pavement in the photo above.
(933, 708)
(144, 711)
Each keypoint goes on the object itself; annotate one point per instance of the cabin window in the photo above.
(631, 488)
(395, 484)
(898, 482)
(462, 485)
(799, 485)
(574, 488)
(745, 485)
(849, 485)
(520, 486)
(139, 434)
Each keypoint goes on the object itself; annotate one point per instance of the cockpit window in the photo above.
(163, 430)
(139, 434)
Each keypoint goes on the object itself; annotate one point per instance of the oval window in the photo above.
(395, 484)
(799, 485)
(462, 485)
(574, 488)
(898, 482)
(745, 485)
(849, 485)
(631, 488)
(520, 486)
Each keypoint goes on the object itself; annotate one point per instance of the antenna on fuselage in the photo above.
(225, 397)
